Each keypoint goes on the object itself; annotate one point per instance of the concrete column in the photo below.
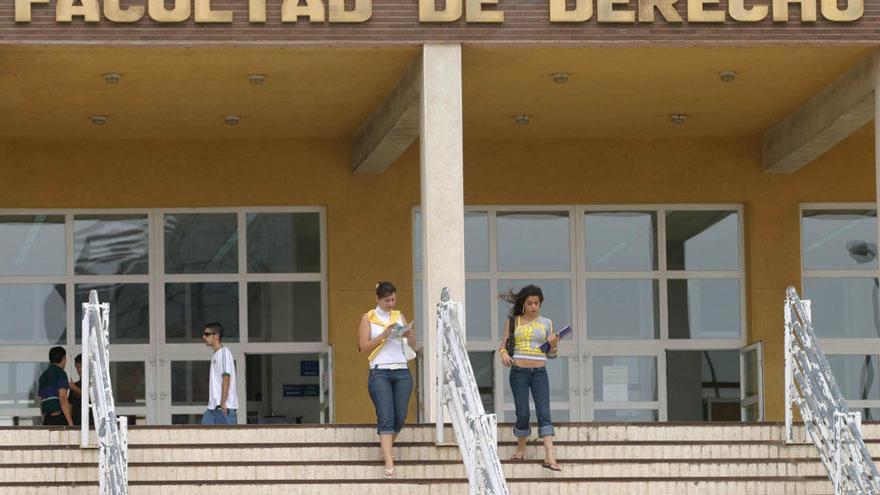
(876, 81)
(442, 182)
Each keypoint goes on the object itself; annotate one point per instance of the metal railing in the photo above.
(112, 431)
(475, 431)
(828, 422)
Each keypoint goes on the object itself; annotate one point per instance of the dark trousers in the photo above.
(390, 391)
(521, 381)
(57, 420)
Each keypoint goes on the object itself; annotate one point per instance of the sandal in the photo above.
(517, 456)
(552, 466)
(388, 473)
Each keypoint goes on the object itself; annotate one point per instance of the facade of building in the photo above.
(664, 170)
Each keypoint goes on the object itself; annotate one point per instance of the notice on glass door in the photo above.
(615, 384)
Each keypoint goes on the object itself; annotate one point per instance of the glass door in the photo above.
(751, 359)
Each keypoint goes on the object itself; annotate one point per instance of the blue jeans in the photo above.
(521, 381)
(390, 391)
(216, 417)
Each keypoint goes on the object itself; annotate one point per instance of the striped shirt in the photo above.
(528, 338)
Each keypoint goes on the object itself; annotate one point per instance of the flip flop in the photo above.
(517, 457)
(552, 466)
(388, 473)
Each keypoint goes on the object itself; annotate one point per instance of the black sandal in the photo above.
(552, 466)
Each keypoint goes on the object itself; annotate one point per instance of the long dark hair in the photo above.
(518, 299)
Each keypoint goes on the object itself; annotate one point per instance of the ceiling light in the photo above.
(256, 79)
(678, 118)
(560, 77)
(522, 119)
(232, 119)
(727, 76)
(112, 77)
(99, 119)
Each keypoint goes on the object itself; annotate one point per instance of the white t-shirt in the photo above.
(392, 351)
(222, 364)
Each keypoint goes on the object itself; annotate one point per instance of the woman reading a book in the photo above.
(385, 337)
(527, 331)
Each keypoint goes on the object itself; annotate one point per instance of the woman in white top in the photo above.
(390, 382)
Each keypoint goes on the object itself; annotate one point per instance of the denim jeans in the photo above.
(390, 391)
(216, 417)
(521, 381)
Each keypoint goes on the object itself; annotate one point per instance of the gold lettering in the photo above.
(475, 13)
(115, 12)
(739, 12)
(363, 10)
(65, 11)
(159, 13)
(854, 10)
(23, 9)
(205, 14)
(780, 10)
(605, 11)
(428, 11)
(665, 7)
(583, 10)
(697, 11)
(291, 10)
(257, 10)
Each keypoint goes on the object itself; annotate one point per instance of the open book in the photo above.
(562, 333)
(398, 330)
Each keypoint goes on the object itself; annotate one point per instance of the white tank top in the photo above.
(392, 351)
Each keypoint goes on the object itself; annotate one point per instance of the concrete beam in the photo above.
(828, 118)
(392, 127)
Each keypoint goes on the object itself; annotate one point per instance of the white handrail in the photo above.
(112, 430)
(828, 422)
(475, 431)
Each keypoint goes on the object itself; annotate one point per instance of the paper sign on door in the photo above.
(615, 384)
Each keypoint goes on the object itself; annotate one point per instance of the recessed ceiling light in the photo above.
(99, 119)
(560, 77)
(727, 76)
(678, 118)
(257, 79)
(112, 77)
(232, 119)
(522, 119)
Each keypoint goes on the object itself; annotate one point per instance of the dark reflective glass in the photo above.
(189, 382)
(189, 306)
(702, 240)
(129, 310)
(283, 243)
(712, 395)
(284, 312)
(111, 244)
(201, 243)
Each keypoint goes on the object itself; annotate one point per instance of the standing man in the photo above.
(222, 395)
(53, 390)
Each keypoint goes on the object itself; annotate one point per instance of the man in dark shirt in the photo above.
(53, 390)
(76, 395)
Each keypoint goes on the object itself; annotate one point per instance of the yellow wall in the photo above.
(368, 217)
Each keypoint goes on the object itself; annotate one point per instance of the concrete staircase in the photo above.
(597, 458)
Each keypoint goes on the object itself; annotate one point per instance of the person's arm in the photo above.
(409, 334)
(75, 389)
(506, 360)
(553, 340)
(224, 392)
(365, 343)
(65, 405)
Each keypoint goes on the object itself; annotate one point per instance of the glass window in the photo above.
(624, 378)
(844, 307)
(33, 314)
(626, 415)
(284, 312)
(189, 306)
(189, 383)
(283, 243)
(32, 245)
(19, 384)
(623, 309)
(478, 307)
(483, 366)
(621, 240)
(201, 243)
(713, 395)
(111, 244)
(556, 306)
(839, 239)
(283, 388)
(533, 241)
(129, 310)
(704, 309)
(702, 240)
(129, 383)
(858, 376)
